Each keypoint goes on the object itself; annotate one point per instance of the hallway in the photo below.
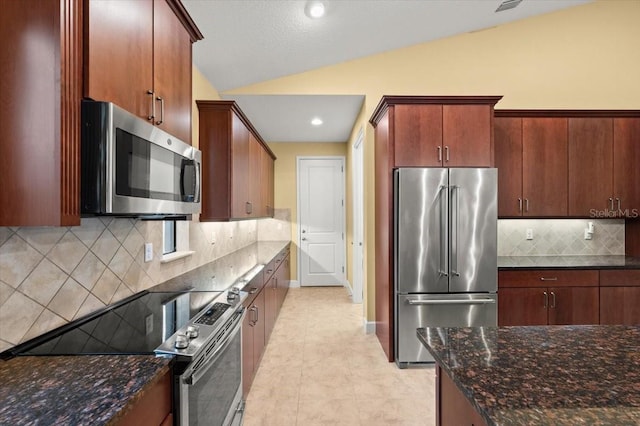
(320, 368)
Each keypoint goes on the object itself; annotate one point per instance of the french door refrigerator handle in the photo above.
(454, 229)
(443, 266)
(452, 302)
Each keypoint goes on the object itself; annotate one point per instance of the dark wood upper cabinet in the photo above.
(544, 166)
(234, 172)
(590, 164)
(139, 57)
(508, 161)
(41, 78)
(626, 164)
(447, 131)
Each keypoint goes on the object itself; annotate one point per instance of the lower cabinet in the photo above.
(266, 295)
(524, 297)
(253, 338)
(452, 407)
(620, 297)
(154, 408)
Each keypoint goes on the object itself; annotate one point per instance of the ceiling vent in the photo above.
(508, 4)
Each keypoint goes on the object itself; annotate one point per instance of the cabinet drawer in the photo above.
(614, 278)
(548, 278)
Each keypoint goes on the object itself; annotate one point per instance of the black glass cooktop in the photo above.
(136, 326)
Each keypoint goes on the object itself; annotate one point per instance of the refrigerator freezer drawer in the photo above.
(438, 310)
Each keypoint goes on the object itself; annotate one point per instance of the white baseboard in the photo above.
(294, 284)
(369, 327)
(347, 285)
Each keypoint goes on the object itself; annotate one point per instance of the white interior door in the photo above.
(358, 218)
(321, 221)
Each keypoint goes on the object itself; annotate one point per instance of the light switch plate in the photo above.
(148, 252)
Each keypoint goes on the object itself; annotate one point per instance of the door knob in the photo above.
(304, 239)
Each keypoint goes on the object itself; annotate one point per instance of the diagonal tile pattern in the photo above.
(561, 237)
(52, 275)
(319, 368)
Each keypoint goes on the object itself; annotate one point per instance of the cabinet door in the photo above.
(247, 349)
(508, 161)
(466, 135)
(418, 135)
(271, 306)
(259, 329)
(171, 72)
(544, 166)
(239, 168)
(620, 305)
(256, 207)
(522, 306)
(590, 165)
(266, 183)
(626, 158)
(573, 305)
(119, 54)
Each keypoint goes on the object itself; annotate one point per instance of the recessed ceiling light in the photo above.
(316, 121)
(315, 9)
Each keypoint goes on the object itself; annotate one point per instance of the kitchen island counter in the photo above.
(560, 375)
(75, 390)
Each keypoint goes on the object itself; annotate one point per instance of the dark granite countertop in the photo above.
(75, 390)
(554, 375)
(222, 273)
(568, 262)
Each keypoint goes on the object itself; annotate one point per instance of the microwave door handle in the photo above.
(196, 194)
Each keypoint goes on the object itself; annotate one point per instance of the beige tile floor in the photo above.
(319, 368)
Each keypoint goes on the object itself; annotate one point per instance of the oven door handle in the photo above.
(197, 375)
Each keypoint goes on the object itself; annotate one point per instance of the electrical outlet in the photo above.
(148, 322)
(587, 235)
(148, 252)
(529, 234)
(213, 238)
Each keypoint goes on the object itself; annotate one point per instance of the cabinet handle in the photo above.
(526, 205)
(439, 148)
(611, 203)
(161, 99)
(248, 207)
(153, 105)
(618, 200)
(548, 279)
(253, 290)
(520, 205)
(257, 311)
(546, 299)
(446, 153)
(553, 301)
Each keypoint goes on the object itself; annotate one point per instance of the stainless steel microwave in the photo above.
(132, 168)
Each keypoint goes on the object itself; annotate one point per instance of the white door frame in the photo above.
(299, 234)
(357, 206)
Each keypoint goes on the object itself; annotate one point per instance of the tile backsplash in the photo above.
(560, 237)
(50, 276)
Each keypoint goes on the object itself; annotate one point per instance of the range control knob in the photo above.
(233, 294)
(182, 341)
(192, 331)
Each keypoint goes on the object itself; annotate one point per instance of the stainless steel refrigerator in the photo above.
(445, 251)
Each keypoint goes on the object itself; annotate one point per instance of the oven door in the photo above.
(211, 393)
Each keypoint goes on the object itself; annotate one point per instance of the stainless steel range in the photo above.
(208, 374)
(202, 330)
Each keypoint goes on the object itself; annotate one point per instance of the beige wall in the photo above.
(583, 57)
(285, 180)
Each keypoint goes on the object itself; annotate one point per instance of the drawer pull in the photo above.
(549, 279)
